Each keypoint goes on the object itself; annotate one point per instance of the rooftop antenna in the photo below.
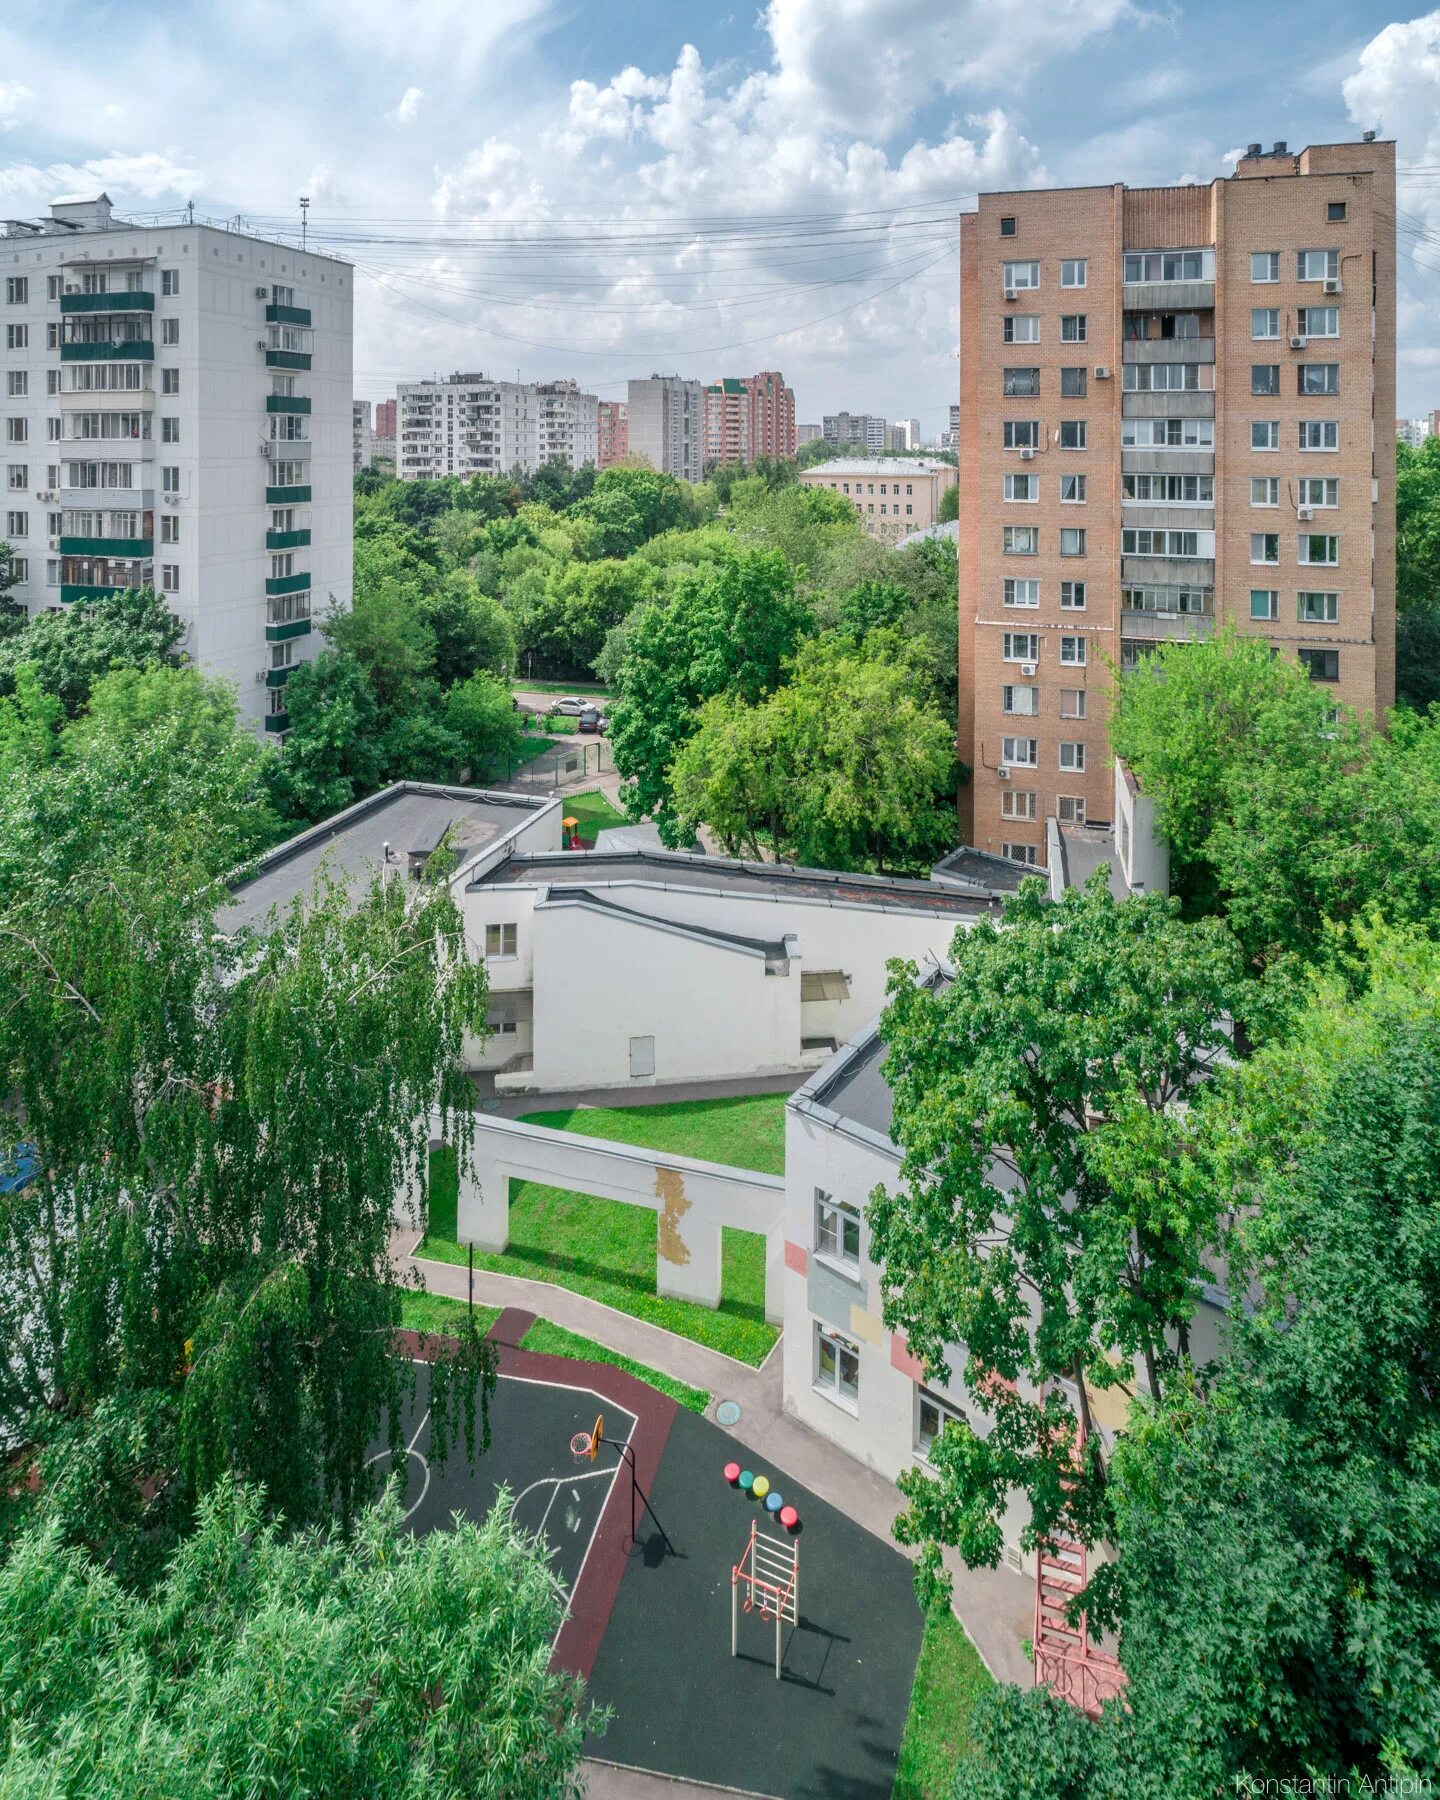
(190, 212)
(304, 218)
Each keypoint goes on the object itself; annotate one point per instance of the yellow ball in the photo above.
(762, 1486)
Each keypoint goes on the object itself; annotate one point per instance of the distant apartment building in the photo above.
(1414, 431)
(1176, 410)
(749, 416)
(385, 418)
(666, 424)
(892, 497)
(950, 437)
(868, 430)
(363, 436)
(904, 434)
(612, 425)
(174, 401)
(472, 425)
(382, 455)
(807, 434)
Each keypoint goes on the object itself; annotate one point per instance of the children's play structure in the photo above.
(769, 1566)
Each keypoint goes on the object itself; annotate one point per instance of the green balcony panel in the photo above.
(277, 721)
(287, 540)
(287, 403)
(88, 590)
(277, 634)
(127, 302)
(287, 584)
(287, 315)
(287, 359)
(278, 677)
(104, 546)
(286, 496)
(138, 350)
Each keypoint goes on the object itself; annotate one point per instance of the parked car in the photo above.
(571, 706)
(592, 719)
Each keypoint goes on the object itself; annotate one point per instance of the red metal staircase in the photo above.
(1066, 1658)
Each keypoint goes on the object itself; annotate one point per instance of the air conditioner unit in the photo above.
(54, 543)
(1027, 668)
(262, 293)
(260, 675)
(1304, 514)
(49, 494)
(1298, 343)
(1002, 773)
(1027, 453)
(1012, 293)
(1333, 285)
(260, 344)
(1101, 372)
(267, 449)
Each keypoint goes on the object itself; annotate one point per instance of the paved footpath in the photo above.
(996, 1606)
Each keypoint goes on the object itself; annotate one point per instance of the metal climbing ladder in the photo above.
(769, 1569)
(1066, 1658)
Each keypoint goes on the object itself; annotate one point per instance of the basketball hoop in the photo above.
(585, 1444)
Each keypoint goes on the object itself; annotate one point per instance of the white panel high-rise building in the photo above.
(470, 425)
(177, 413)
(667, 425)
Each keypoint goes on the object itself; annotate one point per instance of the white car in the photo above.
(570, 706)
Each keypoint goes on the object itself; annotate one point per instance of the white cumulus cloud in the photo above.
(405, 113)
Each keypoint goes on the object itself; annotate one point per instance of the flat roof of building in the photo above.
(950, 529)
(851, 1087)
(409, 817)
(1087, 848)
(674, 868)
(879, 465)
(981, 869)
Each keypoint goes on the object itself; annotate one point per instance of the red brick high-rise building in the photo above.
(748, 416)
(614, 424)
(385, 419)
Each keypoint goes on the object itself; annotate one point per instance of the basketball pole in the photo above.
(628, 1455)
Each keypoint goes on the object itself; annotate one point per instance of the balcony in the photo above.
(132, 350)
(293, 628)
(1168, 350)
(287, 540)
(286, 496)
(133, 300)
(1168, 571)
(278, 677)
(106, 546)
(277, 721)
(287, 359)
(1168, 296)
(1173, 627)
(89, 590)
(287, 403)
(1192, 403)
(286, 315)
(287, 584)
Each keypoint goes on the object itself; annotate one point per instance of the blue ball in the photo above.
(773, 1502)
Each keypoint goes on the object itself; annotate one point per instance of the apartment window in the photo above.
(1318, 321)
(1318, 378)
(1265, 434)
(1319, 490)
(169, 528)
(1070, 809)
(54, 287)
(17, 524)
(52, 342)
(17, 337)
(1317, 608)
(1317, 547)
(1320, 434)
(837, 1367)
(1317, 265)
(501, 940)
(1145, 541)
(1264, 490)
(17, 431)
(17, 290)
(169, 479)
(1163, 378)
(19, 567)
(1072, 490)
(1022, 275)
(1264, 603)
(1020, 646)
(1021, 434)
(17, 382)
(1022, 593)
(932, 1415)
(1264, 265)
(837, 1229)
(1072, 756)
(1072, 434)
(1074, 272)
(1264, 378)
(170, 578)
(169, 431)
(1072, 596)
(1335, 211)
(1170, 265)
(170, 333)
(1022, 487)
(1321, 665)
(54, 524)
(1072, 540)
(1022, 328)
(1024, 701)
(1019, 752)
(1072, 384)
(52, 381)
(1022, 382)
(1173, 490)
(1072, 652)
(1072, 703)
(1021, 853)
(1074, 328)
(169, 283)
(169, 381)
(1167, 434)
(52, 431)
(1018, 803)
(1007, 225)
(1264, 546)
(1021, 540)
(1264, 321)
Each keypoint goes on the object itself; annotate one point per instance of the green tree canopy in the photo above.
(480, 714)
(566, 628)
(471, 631)
(70, 650)
(332, 751)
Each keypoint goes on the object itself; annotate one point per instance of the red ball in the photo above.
(789, 1518)
(732, 1473)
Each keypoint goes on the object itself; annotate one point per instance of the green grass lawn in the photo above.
(949, 1679)
(555, 1340)
(439, 1313)
(605, 1249)
(594, 812)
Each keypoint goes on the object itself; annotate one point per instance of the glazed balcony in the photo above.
(288, 540)
(287, 403)
(110, 350)
(287, 584)
(292, 628)
(275, 314)
(132, 300)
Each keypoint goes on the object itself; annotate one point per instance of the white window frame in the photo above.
(1264, 490)
(1072, 652)
(1322, 426)
(946, 1411)
(1269, 316)
(1272, 596)
(1019, 753)
(1013, 272)
(1072, 756)
(1261, 541)
(1271, 269)
(1019, 803)
(833, 1386)
(1329, 615)
(1010, 593)
(1009, 641)
(1074, 272)
(835, 1222)
(501, 940)
(1031, 485)
(1303, 545)
(1013, 332)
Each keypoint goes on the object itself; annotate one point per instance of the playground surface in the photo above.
(651, 1631)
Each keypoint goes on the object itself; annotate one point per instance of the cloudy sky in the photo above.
(606, 187)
